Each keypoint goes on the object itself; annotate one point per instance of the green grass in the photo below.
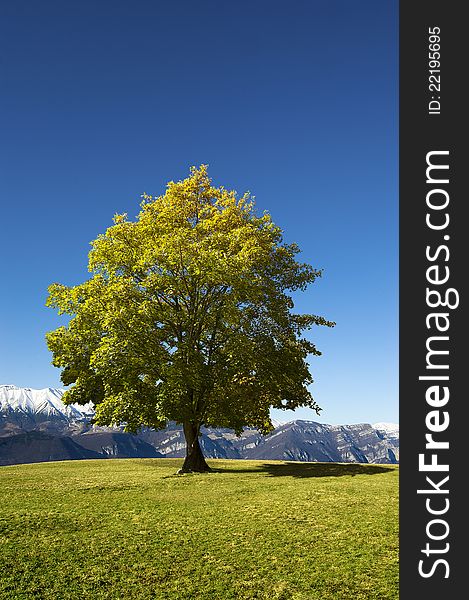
(132, 529)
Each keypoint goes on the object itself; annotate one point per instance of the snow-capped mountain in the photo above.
(390, 429)
(24, 410)
(46, 402)
(27, 409)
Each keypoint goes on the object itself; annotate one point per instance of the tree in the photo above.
(186, 317)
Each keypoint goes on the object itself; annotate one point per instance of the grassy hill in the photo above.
(132, 529)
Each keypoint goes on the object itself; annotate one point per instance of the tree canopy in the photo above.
(187, 317)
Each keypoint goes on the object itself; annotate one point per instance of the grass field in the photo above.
(132, 529)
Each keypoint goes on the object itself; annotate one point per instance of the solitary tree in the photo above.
(187, 317)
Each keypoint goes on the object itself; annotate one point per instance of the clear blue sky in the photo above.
(295, 101)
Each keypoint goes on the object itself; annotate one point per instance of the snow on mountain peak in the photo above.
(388, 428)
(47, 401)
(276, 423)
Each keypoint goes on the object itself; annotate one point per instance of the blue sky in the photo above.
(295, 101)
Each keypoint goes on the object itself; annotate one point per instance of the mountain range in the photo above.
(36, 426)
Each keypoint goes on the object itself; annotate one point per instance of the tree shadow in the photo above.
(303, 470)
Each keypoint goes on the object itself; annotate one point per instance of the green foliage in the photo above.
(129, 529)
(187, 315)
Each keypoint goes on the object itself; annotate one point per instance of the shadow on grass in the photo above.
(298, 469)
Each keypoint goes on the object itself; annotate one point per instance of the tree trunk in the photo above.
(194, 461)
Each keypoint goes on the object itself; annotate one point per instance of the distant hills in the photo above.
(36, 426)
